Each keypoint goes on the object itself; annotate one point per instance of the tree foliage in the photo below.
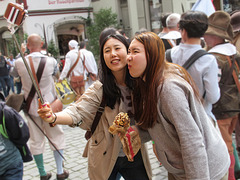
(52, 49)
(102, 19)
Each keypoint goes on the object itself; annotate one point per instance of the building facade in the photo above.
(54, 20)
(63, 20)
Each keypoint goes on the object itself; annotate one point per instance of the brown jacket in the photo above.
(102, 149)
(229, 100)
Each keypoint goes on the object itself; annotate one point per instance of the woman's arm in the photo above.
(80, 113)
(57, 118)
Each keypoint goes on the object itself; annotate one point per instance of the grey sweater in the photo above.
(187, 143)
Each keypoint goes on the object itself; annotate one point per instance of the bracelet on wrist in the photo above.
(54, 119)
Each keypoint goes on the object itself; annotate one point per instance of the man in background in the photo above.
(4, 74)
(90, 68)
(73, 68)
(164, 25)
(173, 37)
(11, 61)
(48, 91)
(218, 37)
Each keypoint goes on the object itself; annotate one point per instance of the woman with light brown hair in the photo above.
(168, 110)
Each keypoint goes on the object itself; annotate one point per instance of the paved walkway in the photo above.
(75, 163)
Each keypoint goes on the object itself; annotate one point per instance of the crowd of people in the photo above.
(180, 89)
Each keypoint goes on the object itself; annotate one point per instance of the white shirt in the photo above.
(227, 49)
(90, 64)
(71, 58)
(172, 35)
(204, 72)
(46, 84)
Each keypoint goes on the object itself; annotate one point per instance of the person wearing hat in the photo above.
(70, 69)
(218, 39)
(235, 21)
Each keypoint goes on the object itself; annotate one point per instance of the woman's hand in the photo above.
(45, 112)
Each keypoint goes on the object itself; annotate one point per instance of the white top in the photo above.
(90, 64)
(70, 59)
(227, 49)
(204, 72)
(172, 35)
(46, 84)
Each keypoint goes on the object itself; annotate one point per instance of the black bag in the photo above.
(13, 126)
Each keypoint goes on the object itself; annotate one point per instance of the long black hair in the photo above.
(111, 92)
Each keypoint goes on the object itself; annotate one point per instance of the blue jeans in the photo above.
(19, 87)
(11, 85)
(14, 172)
(5, 82)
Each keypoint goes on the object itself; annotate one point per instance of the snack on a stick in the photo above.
(129, 138)
(120, 124)
(131, 143)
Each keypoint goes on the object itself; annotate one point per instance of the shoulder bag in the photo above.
(91, 75)
(76, 81)
(97, 117)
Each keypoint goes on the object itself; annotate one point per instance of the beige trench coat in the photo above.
(103, 148)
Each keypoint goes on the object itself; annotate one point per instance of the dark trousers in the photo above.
(14, 172)
(11, 85)
(19, 87)
(5, 82)
(130, 170)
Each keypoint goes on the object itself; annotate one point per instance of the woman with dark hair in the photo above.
(105, 154)
(169, 109)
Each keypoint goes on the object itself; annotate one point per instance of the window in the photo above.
(156, 11)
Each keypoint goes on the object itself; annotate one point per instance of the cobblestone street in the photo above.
(75, 163)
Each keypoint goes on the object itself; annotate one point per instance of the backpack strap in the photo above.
(168, 55)
(69, 72)
(194, 57)
(234, 74)
(171, 43)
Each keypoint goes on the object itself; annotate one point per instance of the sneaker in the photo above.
(63, 176)
(48, 176)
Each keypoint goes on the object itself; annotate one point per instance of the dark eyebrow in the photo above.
(116, 45)
(135, 48)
